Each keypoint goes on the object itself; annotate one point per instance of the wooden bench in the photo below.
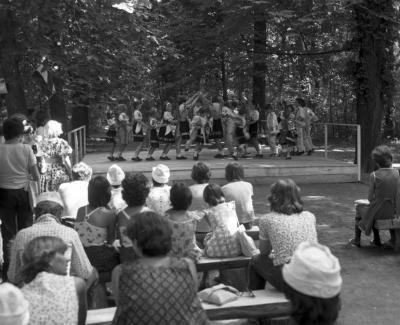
(265, 304)
(213, 263)
(253, 233)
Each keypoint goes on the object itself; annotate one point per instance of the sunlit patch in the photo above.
(315, 197)
(323, 225)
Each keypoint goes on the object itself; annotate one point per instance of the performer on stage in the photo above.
(154, 141)
(229, 126)
(253, 116)
(217, 132)
(199, 123)
(167, 130)
(138, 134)
(241, 132)
(272, 129)
(111, 134)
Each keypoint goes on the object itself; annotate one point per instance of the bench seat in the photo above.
(214, 263)
(265, 304)
(253, 233)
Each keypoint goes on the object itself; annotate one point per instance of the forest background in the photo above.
(72, 58)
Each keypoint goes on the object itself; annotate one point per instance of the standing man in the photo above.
(311, 118)
(217, 132)
(229, 126)
(272, 129)
(300, 122)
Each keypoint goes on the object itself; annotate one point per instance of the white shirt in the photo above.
(117, 203)
(198, 204)
(241, 192)
(74, 195)
(158, 199)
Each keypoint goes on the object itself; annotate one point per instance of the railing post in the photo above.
(76, 148)
(84, 140)
(359, 152)
(326, 140)
(81, 144)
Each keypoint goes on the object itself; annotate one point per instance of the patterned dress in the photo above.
(52, 300)
(184, 238)
(54, 150)
(223, 241)
(158, 295)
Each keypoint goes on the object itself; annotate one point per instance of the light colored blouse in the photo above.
(158, 199)
(286, 232)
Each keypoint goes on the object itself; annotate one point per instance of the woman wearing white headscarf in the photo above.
(56, 151)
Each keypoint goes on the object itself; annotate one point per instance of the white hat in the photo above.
(313, 271)
(123, 117)
(14, 309)
(161, 174)
(115, 175)
(50, 196)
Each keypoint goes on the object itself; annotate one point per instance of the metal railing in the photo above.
(358, 143)
(77, 140)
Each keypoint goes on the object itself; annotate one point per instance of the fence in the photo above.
(77, 140)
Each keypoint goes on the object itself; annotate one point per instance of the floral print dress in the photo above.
(55, 172)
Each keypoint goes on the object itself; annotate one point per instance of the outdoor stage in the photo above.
(302, 169)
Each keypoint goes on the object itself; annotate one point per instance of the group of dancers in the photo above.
(199, 120)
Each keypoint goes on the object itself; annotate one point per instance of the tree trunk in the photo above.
(9, 64)
(223, 77)
(373, 73)
(259, 64)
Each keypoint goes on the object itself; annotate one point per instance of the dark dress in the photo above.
(253, 130)
(217, 131)
(184, 129)
(137, 137)
(158, 295)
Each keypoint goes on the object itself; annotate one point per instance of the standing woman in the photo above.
(252, 119)
(138, 134)
(123, 128)
(56, 152)
(217, 132)
(154, 140)
(166, 134)
(183, 128)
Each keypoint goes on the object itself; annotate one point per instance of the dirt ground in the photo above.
(371, 286)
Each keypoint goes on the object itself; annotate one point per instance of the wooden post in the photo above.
(358, 149)
(76, 149)
(84, 140)
(326, 140)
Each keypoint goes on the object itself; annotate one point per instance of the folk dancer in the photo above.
(253, 116)
(138, 132)
(228, 121)
(153, 133)
(167, 130)
(217, 131)
(272, 129)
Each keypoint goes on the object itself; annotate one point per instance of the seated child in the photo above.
(158, 199)
(383, 196)
(183, 223)
(223, 240)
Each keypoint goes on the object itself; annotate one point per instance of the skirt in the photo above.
(154, 141)
(217, 131)
(287, 138)
(166, 138)
(240, 137)
(137, 137)
(253, 130)
(199, 137)
(184, 130)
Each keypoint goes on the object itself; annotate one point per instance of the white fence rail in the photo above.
(77, 140)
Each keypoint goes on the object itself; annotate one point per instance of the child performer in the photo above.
(137, 130)
(252, 119)
(217, 132)
(198, 125)
(154, 141)
(166, 134)
(287, 130)
(242, 135)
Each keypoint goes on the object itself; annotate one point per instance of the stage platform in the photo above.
(302, 169)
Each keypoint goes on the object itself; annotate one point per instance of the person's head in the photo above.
(150, 234)
(53, 129)
(44, 254)
(312, 283)
(382, 156)
(234, 172)
(285, 197)
(115, 175)
(81, 172)
(213, 195)
(200, 173)
(13, 129)
(99, 192)
(289, 109)
(168, 107)
(153, 112)
(300, 101)
(180, 196)
(135, 189)
(49, 203)
(160, 175)
(14, 308)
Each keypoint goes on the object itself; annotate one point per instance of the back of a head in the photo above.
(151, 233)
(12, 129)
(81, 172)
(99, 192)
(49, 203)
(382, 156)
(14, 309)
(285, 197)
(234, 172)
(180, 197)
(136, 188)
(313, 284)
(115, 175)
(200, 173)
(213, 195)
(53, 129)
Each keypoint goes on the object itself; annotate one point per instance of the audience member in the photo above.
(14, 309)
(56, 152)
(135, 189)
(223, 240)
(96, 226)
(53, 297)
(48, 213)
(281, 231)
(137, 284)
(158, 199)
(115, 175)
(17, 165)
(183, 223)
(383, 196)
(75, 194)
(241, 192)
(312, 283)
(201, 175)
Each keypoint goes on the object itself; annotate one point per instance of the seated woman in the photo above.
(281, 231)
(156, 288)
(183, 223)
(74, 194)
(201, 175)
(135, 189)
(241, 192)
(223, 240)
(312, 283)
(53, 297)
(158, 199)
(115, 175)
(383, 196)
(96, 226)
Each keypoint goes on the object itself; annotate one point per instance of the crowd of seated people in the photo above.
(116, 229)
